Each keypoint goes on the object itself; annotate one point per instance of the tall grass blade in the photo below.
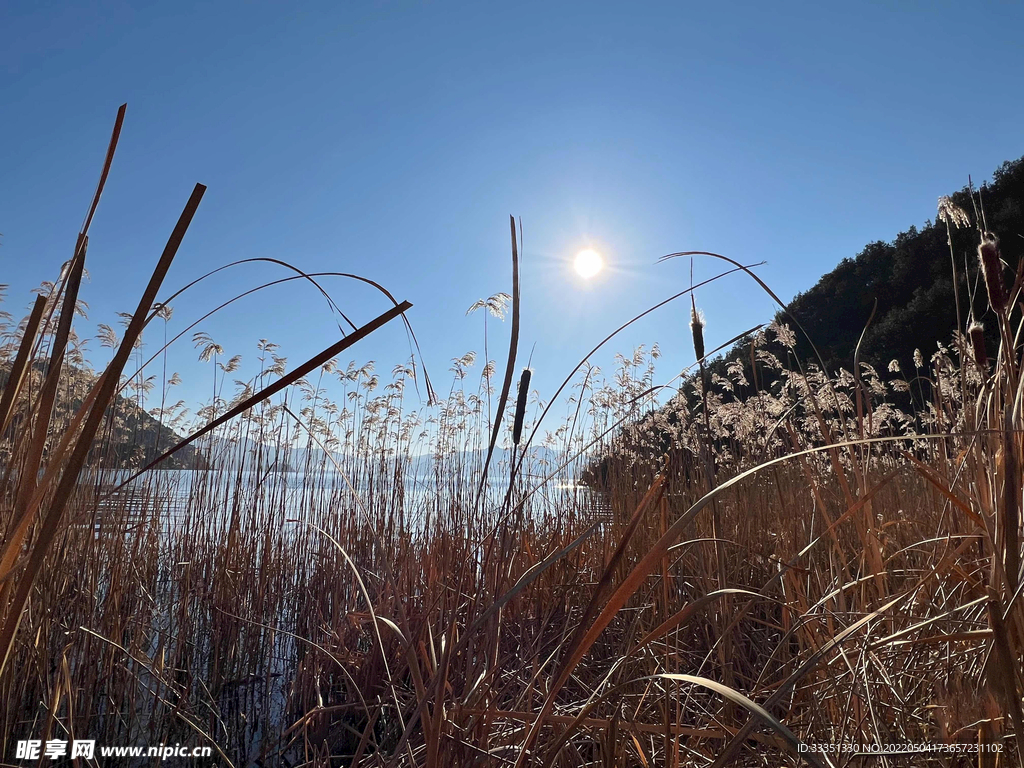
(16, 377)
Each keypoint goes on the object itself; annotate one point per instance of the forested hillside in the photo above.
(911, 278)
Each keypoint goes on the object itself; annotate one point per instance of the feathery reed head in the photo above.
(992, 270)
(952, 214)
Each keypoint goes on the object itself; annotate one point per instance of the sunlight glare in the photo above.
(588, 263)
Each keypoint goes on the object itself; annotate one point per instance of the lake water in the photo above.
(174, 495)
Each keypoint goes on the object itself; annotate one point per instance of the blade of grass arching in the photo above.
(332, 305)
(833, 525)
(677, 619)
(376, 621)
(765, 288)
(895, 636)
(302, 276)
(392, 583)
(613, 693)
(69, 477)
(272, 389)
(374, 617)
(330, 301)
(506, 384)
(874, 556)
(812, 661)
(756, 710)
(20, 365)
(309, 276)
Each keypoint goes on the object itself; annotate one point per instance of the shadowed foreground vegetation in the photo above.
(805, 564)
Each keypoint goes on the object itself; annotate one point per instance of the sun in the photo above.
(588, 263)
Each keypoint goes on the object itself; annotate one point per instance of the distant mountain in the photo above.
(134, 437)
(539, 457)
(130, 436)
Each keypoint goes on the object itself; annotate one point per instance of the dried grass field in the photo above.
(371, 580)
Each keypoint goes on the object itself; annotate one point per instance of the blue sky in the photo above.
(394, 139)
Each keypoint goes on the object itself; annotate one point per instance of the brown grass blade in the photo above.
(24, 511)
(111, 148)
(513, 347)
(650, 499)
(43, 409)
(12, 545)
(685, 614)
(20, 364)
(526, 580)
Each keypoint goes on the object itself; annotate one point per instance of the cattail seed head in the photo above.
(524, 389)
(697, 328)
(976, 333)
(992, 271)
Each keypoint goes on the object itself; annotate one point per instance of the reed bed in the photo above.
(369, 580)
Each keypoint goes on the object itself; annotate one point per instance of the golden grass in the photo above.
(808, 564)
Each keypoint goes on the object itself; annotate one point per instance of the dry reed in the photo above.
(348, 586)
